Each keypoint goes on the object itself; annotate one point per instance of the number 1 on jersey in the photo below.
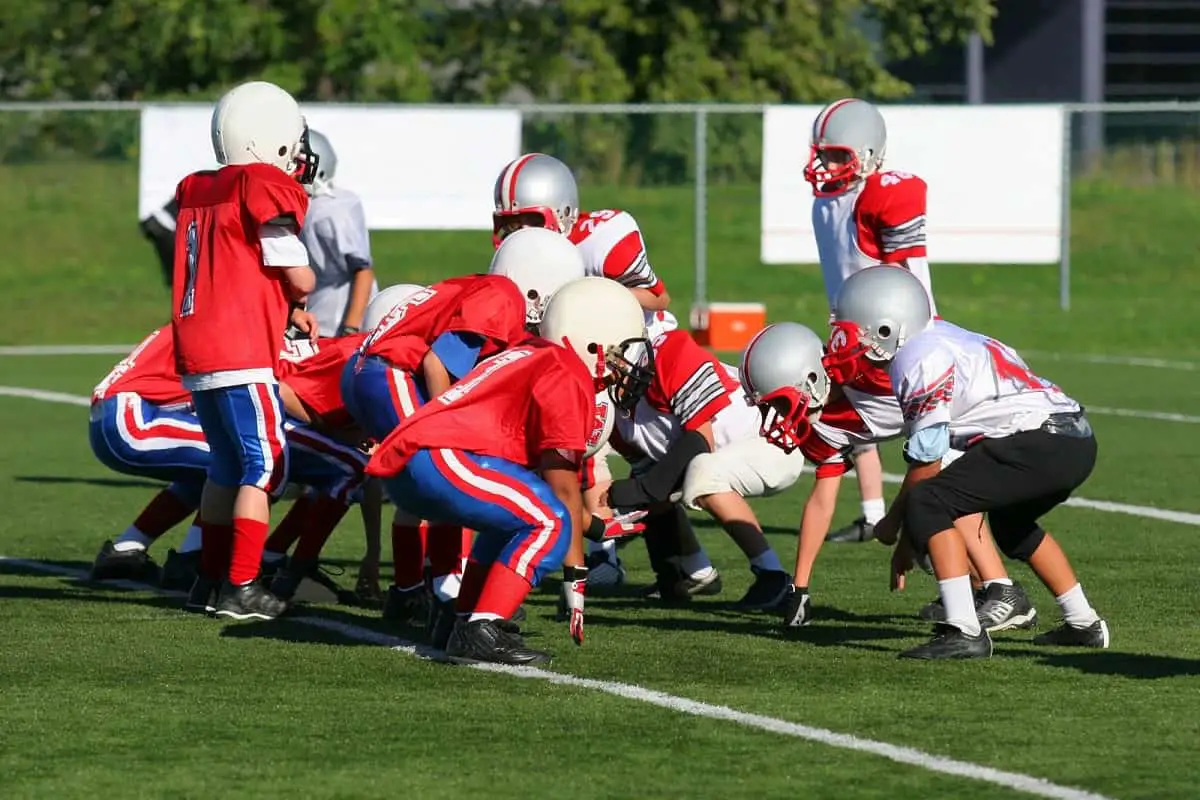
(188, 304)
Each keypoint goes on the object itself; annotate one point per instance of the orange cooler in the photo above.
(727, 326)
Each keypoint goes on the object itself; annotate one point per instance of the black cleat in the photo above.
(674, 587)
(933, 611)
(858, 531)
(950, 642)
(1094, 635)
(492, 642)
(202, 597)
(442, 617)
(128, 565)
(180, 570)
(249, 601)
(768, 591)
(270, 569)
(308, 581)
(408, 607)
(1003, 608)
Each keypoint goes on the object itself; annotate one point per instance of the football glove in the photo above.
(621, 525)
(570, 602)
(797, 609)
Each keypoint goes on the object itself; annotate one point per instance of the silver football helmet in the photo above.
(782, 373)
(876, 311)
(327, 162)
(849, 142)
(536, 190)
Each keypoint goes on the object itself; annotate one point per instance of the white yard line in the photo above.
(682, 705)
(1161, 416)
(1120, 361)
(66, 350)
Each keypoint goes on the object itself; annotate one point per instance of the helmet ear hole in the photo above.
(282, 151)
(885, 331)
(532, 294)
(592, 348)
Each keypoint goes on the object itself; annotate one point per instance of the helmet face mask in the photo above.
(630, 371)
(782, 373)
(307, 161)
(505, 223)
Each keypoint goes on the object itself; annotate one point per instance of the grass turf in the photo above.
(115, 693)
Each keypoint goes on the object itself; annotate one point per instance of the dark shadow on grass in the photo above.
(1107, 662)
(80, 592)
(708, 523)
(17, 568)
(108, 483)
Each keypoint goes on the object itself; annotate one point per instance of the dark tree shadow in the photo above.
(109, 483)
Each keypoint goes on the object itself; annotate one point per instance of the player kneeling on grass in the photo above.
(1027, 447)
(500, 453)
(825, 408)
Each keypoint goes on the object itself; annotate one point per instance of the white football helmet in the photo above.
(326, 165)
(876, 311)
(382, 304)
(602, 424)
(849, 142)
(603, 324)
(535, 190)
(782, 373)
(538, 261)
(260, 123)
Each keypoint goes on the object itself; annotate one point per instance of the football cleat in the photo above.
(180, 570)
(249, 601)
(675, 587)
(408, 607)
(308, 581)
(492, 642)
(442, 618)
(129, 565)
(949, 642)
(933, 611)
(769, 590)
(1094, 635)
(1002, 608)
(604, 569)
(202, 598)
(858, 531)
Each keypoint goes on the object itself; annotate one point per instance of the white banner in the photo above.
(418, 169)
(994, 175)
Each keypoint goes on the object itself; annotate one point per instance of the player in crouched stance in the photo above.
(1027, 446)
(500, 453)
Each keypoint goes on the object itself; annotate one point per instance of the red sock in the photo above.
(249, 535)
(291, 527)
(445, 550)
(164, 512)
(473, 579)
(503, 592)
(468, 540)
(408, 555)
(327, 512)
(216, 542)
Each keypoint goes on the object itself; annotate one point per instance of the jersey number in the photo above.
(591, 219)
(1007, 366)
(188, 305)
(892, 178)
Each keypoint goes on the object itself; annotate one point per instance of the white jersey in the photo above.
(878, 220)
(980, 387)
(339, 245)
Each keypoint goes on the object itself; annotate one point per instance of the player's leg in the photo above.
(681, 566)
(869, 470)
(603, 562)
(215, 519)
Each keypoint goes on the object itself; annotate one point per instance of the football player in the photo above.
(500, 452)
(426, 342)
(339, 247)
(826, 405)
(1027, 446)
(702, 438)
(239, 267)
(863, 216)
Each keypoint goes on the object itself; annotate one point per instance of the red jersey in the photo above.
(689, 382)
(612, 247)
(317, 380)
(148, 371)
(230, 308)
(489, 306)
(515, 406)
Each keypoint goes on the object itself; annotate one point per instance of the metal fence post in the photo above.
(700, 296)
(1064, 247)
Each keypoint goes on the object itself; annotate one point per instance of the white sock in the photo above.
(191, 542)
(1001, 581)
(271, 557)
(959, 601)
(1076, 610)
(475, 617)
(873, 510)
(696, 564)
(767, 561)
(131, 539)
(446, 587)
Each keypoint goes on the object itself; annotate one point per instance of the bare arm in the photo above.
(437, 377)
(651, 301)
(360, 293)
(300, 281)
(563, 479)
(292, 405)
(814, 525)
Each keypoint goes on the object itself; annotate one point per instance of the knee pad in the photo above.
(1017, 544)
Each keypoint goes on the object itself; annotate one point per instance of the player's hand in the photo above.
(306, 323)
(797, 609)
(902, 563)
(887, 530)
(624, 524)
(570, 602)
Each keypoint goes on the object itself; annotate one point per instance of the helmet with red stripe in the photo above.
(534, 191)
(849, 142)
(782, 373)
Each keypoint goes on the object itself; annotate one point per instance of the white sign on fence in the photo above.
(420, 169)
(994, 175)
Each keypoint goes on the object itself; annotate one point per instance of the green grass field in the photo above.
(115, 693)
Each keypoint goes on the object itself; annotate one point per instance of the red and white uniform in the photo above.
(514, 406)
(691, 388)
(230, 310)
(317, 379)
(612, 247)
(978, 386)
(877, 220)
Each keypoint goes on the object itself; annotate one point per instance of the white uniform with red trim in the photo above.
(877, 220)
(980, 387)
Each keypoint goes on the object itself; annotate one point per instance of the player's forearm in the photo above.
(650, 301)
(814, 525)
(292, 405)
(300, 281)
(437, 377)
(565, 485)
(360, 294)
(372, 514)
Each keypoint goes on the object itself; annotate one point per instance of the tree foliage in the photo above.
(571, 51)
